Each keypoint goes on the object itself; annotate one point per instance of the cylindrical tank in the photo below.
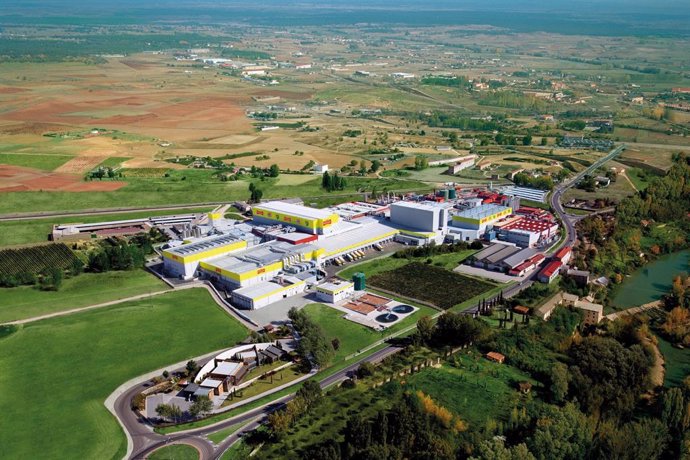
(451, 194)
(360, 281)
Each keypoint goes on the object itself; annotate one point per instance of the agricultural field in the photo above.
(35, 259)
(43, 162)
(80, 291)
(116, 344)
(420, 281)
(616, 191)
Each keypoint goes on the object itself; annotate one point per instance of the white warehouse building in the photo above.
(422, 216)
(259, 295)
(335, 292)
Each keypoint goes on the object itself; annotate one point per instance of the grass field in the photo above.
(220, 435)
(37, 230)
(677, 363)
(81, 291)
(616, 191)
(38, 161)
(481, 389)
(352, 336)
(175, 452)
(75, 362)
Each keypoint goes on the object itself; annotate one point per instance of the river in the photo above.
(652, 281)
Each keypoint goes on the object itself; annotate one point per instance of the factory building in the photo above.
(481, 217)
(265, 293)
(260, 264)
(183, 261)
(425, 216)
(354, 236)
(308, 220)
(526, 193)
(334, 292)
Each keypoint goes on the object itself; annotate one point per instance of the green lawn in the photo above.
(80, 291)
(37, 230)
(220, 435)
(175, 452)
(354, 337)
(481, 389)
(676, 363)
(57, 373)
(44, 162)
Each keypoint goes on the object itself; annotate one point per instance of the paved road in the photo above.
(146, 441)
(570, 220)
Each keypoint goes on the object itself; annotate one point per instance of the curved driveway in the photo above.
(145, 440)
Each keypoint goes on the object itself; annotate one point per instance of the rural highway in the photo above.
(146, 441)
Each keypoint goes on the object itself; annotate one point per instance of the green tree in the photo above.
(559, 382)
(201, 406)
(562, 434)
(191, 367)
(527, 140)
(495, 449)
(425, 329)
(273, 171)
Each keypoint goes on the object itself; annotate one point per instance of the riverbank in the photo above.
(650, 282)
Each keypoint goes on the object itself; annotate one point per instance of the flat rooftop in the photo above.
(331, 287)
(295, 210)
(482, 211)
(354, 234)
(426, 205)
(259, 256)
(265, 288)
(205, 244)
(226, 368)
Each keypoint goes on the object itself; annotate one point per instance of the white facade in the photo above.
(266, 293)
(522, 238)
(335, 292)
(425, 217)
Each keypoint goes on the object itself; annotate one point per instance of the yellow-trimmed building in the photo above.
(335, 292)
(268, 292)
(183, 261)
(481, 217)
(260, 263)
(310, 220)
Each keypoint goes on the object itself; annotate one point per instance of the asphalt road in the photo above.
(146, 441)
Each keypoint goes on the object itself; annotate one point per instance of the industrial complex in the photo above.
(283, 249)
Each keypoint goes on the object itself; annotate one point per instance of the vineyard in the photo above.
(437, 285)
(35, 259)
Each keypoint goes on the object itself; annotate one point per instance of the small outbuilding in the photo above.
(496, 357)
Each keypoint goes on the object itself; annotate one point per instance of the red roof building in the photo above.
(564, 254)
(550, 272)
(527, 266)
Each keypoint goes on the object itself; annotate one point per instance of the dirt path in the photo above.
(625, 174)
(658, 370)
